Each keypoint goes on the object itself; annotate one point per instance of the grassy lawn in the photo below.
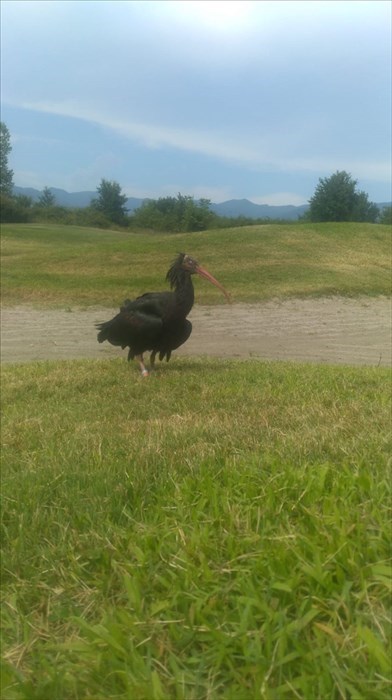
(220, 530)
(61, 266)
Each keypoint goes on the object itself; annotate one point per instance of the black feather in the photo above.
(155, 321)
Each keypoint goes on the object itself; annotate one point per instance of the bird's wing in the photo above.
(151, 303)
(136, 328)
(172, 337)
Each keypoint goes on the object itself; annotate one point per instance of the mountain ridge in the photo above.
(231, 208)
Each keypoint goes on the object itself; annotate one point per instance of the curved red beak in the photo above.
(204, 273)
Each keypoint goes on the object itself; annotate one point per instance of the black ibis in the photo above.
(157, 322)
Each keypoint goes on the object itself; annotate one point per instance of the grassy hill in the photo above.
(60, 266)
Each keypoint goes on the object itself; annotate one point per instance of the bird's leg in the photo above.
(143, 369)
(152, 360)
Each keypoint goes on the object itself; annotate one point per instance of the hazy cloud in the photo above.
(217, 96)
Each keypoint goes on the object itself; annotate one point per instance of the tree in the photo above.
(6, 175)
(15, 210)
(47, 198)
(23, 201)
(179, 213)
(111, 202)
(364, 210)
(336, 199)
(197, 216)
(386, 216)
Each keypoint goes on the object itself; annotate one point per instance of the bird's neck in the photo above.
(185, 295)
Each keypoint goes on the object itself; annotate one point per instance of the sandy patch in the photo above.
(329, 330)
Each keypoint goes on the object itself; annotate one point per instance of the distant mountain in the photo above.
(72, 199)
(243, 207)
(231, 208)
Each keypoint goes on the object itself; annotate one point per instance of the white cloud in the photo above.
(29, 178)
(150, 135)
(30, 138)
(198, 191)
(215, 194)
(263, 154)
(280, 198)
(213, 15)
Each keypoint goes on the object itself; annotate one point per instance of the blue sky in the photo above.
(222, 100)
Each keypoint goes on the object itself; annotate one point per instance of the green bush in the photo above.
(386, 216)
(174, 214)
(336, 199)
(14, 210)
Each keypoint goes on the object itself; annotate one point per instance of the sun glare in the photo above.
(219, 15)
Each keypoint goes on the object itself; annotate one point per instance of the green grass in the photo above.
(220, 530)
(52, 265)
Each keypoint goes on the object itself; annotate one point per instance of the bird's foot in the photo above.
(143, 369)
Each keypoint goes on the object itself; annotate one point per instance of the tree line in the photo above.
(336, 198)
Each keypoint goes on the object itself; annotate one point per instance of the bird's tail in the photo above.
(104, 331)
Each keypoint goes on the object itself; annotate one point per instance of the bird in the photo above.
(156, 322)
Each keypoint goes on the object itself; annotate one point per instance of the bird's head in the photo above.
(191, 266)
